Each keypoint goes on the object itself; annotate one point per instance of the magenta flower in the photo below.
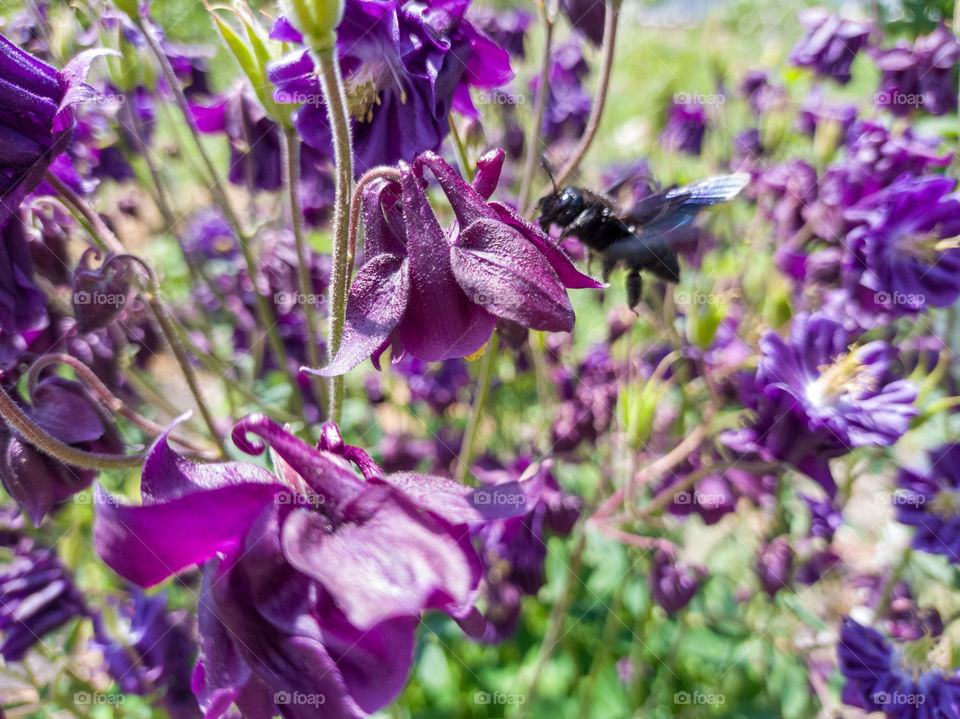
(314, 580)
(437, 294)
(830, 45)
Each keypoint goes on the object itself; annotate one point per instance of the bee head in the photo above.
(560, 207)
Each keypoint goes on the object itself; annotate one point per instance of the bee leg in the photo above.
(634, 287)
(608, 266)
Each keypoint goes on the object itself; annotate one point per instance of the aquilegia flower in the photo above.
(23, 305)
(405, 67)
(920, 77)
(902, 258)
(66, 411)
(816, 398)
(930, 501)
(314, 580)
(896, 678)
(830, 45)
(35, 118)
(37, 596)
(436, 294)
(685, 127)
(774, 565)
(673, 584)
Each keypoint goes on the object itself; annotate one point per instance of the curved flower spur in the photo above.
(437, 293)
(314, 580)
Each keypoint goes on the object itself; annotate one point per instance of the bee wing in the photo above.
(710, 191)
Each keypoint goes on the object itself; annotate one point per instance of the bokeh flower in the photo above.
(929, 500)
(830, 44)
(920, 77)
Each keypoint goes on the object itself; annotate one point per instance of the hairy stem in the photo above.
(539, 109)
(290, 158)
(611, 19)
(52, 446)
(476, 412)
(332, 84)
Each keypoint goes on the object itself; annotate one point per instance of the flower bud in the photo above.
(99, 294)
(316, 19)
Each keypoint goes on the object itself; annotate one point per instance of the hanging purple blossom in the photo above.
(673, 584)
(36, 118)
(37, 596)
(405, 67)
(506, 27)
(830, 45)
(437, 294)
(23, 306)
(895, 678)
(928, 500)
(816, 398)
(685, 127)
(586, 16)
(901, 257)
(774, 565)
(314, 580)
(920, 77)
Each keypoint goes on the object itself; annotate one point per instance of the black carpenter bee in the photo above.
(641, 237)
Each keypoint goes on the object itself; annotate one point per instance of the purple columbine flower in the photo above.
(760, 93)
(786, 190)
(774, 565)
(816, 111)
(672, 583)
(874, 158)
(152, 650)
(685, 127)
(586, 16)
(314, 580)
(920, 77)
(37, 596)
(437, 384)
(100, 293)
(254, 137)
(568, 103)
(588, 398)
(816, 398)
(506, 27)
(830, 44)
(436, 294)
(902, 258)
(405, 67)
(35, 118)
(930, 501)
(23, 305)
(66, 411)
(717, 494)
(514, 549)
(896, 678)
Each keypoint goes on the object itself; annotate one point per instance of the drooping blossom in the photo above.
(315, 578)
(36, 118)
(588, 397)
(506, 27)
(66, 411)
(513, 550)
(830, 44)
(929, 500)
(899, 679)
(817, 112)
(149, 648)
(37, 596)
(673, 584)
(761, 95)
(815, 398)
(406, 66)
(774, 565)
(920, 77)
(23, 306)
(100, 293)
(685, 127)
(786, 191)
(436, 294)
(586, 16)
(568, 103)
(901, 257)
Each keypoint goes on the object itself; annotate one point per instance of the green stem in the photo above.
(476, 412)
(290, 158)
(52, 446)
(332, 84)
(468, 169)
(611, 19)
(265, 315)
(539, 110)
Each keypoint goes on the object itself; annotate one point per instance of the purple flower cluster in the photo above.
(830, 45)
